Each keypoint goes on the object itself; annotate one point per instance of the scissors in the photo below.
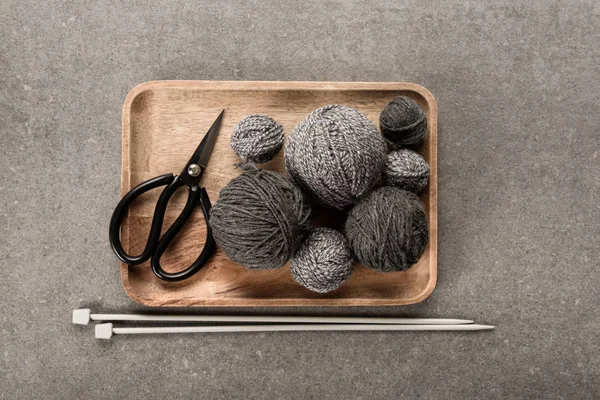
(156, 245)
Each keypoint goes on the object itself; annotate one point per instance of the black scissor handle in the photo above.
(173, 183)
(196, 196)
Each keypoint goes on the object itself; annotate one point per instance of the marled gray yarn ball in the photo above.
(257, 138)
(387, 230)
(407, 170)
(323, 261)
(260, 219)
(403, 122)
(335, 155)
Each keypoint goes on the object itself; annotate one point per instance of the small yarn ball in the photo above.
(323, 261)
(335, 155)
(257, 138)
(387, 230)
(403, 122)
(407, 170)
(260, 219)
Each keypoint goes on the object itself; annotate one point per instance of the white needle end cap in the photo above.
(104, 331)
(82, 316)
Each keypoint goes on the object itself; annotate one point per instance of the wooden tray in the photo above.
(164, 121)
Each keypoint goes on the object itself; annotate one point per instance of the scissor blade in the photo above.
(207, 144)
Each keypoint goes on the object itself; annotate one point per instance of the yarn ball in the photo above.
(257, 138)
(260, 219)
(335, 155)
(387, 230)
(407, 170)
(323, 261)
(403, 122)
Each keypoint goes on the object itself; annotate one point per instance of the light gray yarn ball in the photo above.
(407, 170)
(260, 219)
(257, 138)
(323, 261)
(387, 230)
(335, 155)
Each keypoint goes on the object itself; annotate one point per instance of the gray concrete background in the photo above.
(517, 85)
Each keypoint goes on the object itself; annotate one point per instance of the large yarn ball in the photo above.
(387, 230)
(323, 261)
(257, 138)
(335, 155)
(407, 170)
(260, 219)
(403, 122)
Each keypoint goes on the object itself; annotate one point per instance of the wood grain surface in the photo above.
(164, 121)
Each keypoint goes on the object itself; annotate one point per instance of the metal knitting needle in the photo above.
(84, 316)
(106, 331)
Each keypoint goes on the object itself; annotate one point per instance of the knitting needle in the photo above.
(106, 330)
(84, 316)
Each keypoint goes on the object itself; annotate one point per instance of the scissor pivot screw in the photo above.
(194, 170)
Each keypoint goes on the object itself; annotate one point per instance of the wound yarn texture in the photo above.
(387, 230)
(403, 122)
(323, 261)
(335, 155)
(407, 170)
(257, 138)
(260, 219)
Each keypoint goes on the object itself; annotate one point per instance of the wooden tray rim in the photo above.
(287, 85)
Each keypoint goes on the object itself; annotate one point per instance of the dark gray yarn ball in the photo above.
(257, 138)
(335, 155)
(260, 219)
(407, 170)
(323, 261)
(387, 230)
(403, 122)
